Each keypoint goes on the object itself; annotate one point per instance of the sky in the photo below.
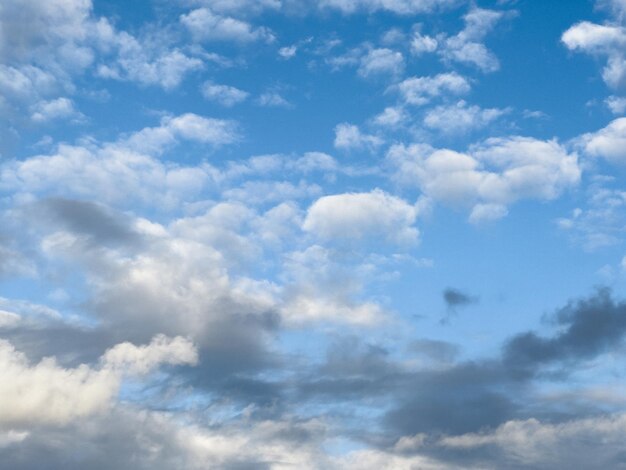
(313, 234)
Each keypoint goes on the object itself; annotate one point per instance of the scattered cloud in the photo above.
(491, 176)
(223, 94)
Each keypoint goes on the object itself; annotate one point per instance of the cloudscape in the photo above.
(312, 234)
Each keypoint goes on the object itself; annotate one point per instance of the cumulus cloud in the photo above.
(349, 136)
(381, 61)
(608, 143)
(60, 108)
(616, 104)
(45, 46)
(420, 90)
(126, 168)
(460, 118)
(607, 41)
(205, 25)
(391, 117)
(48, 393)
(497, 172)
(359, 216)
(467, 47)
(598, 222)
(146, 65)
(421, 44)
(273, 99)
(403, 7)
(142, 359)
(535, 444)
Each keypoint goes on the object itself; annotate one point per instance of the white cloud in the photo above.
(155, 140)
(273, 99)
(147, 61)
(617, 104)
(404, 7)
(487, 212)
(391, 117)
(349, 136)
(130, 358)
(466, 47)
(205, 25)
(49, 34)
(288, 52)
(608, 143)
(594, 38)
(420, 90)
(48, 393)
(320, 288)
(601, 40)
(531, 443)
(117, 171)
(263, 192)
(224, 94)
(60, 108)
(491, 175)
(421, 44)
(381, 61)
(460, 118)
(599, 222)
(303, 308)
(239, 6)
(363, 216)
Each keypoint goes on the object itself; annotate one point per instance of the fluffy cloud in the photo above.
(349, 136)
(533, 444)
(491, 175)
(47, 34)
(420, 90)
(381, 61)
(60, 108)
(223, 94)
(421, 44)
(601, 40)
(616, 104)
(404, 7)
(273, 99)
(391, 117)
(48, 393)
(466, 47)
(360, 216)
(205, 25)
(598, 223)
(608, 143)
(460, 118)
(143, 359)
(125, 168)
(47, 47)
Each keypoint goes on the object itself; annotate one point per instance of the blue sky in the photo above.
(334, 234)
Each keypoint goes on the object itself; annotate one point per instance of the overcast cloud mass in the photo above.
(331, 234)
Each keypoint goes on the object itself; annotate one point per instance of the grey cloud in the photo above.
(589, 327)
(456, 298)
(469, 396)
(438, 351)
(101, 224)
